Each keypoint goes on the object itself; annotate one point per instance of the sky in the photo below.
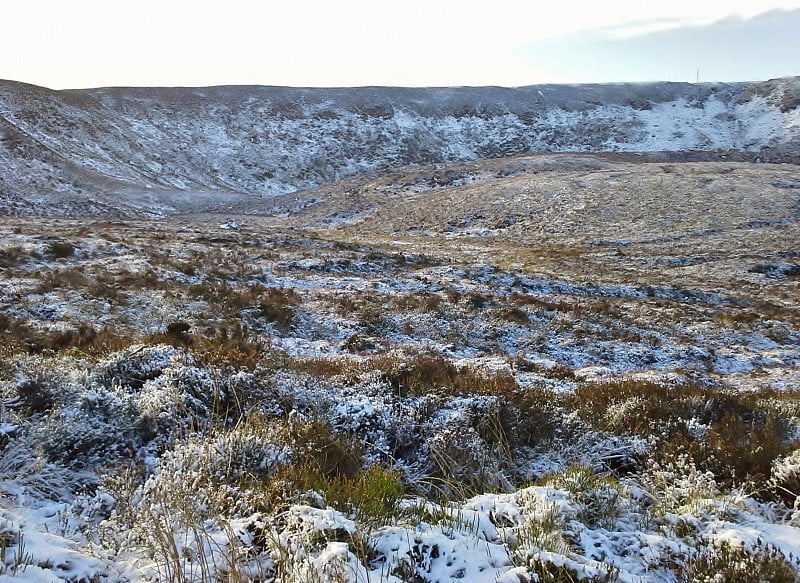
(327, 43)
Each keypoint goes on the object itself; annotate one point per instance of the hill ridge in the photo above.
(151, 151)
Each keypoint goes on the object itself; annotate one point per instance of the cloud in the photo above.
(362, 42)
(732, 49)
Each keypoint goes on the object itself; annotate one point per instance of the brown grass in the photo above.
(745, 432)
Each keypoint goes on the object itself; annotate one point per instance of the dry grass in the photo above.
(731, 423)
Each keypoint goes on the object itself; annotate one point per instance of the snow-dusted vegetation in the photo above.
(229, 399)
(369, 346)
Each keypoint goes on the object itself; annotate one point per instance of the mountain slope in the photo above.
(133, 151)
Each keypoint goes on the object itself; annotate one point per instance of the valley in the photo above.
(485, 365)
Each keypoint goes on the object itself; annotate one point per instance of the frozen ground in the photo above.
(428, 397)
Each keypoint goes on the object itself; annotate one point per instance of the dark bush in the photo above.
(35, 395)
(60, 250)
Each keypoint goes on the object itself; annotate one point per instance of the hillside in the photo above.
(378, 335)
(150, 152)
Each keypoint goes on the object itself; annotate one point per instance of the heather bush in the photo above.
(597, 497)
(784, 482)
(60, 249)
(728, 563)
(715, 427)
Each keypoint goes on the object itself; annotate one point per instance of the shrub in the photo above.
(279, 314)
(726, 563)
(742, 449)
(785, 481)
(69, 278)
(178, 332)
(277, 307)
(550, 568)
(425, 302)
(82, 337)
(231, 346)
(35, 395)
(512, 314)
(475, 301)
(315, 444)
(326, 469)
(741, 432)
(542, 529)
(100, 427)
(318, 367)
(60, 250)
(635, 406)
(733, 449)
(431, 373)
(464, 464)
(17, 335)
(372, 496)
(530, 416)
(376, 494)
(597, 496)
(12, 256)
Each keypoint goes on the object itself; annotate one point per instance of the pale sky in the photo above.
(91, 43)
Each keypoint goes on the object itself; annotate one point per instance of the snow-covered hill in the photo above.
(134, 151)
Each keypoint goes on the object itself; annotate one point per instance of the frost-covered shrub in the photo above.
(676, 483)
(132, 367)
(213, 474)
(556, 568)
(727, 422)
(35, 395)
(75, 423)
(545, 514)
(785, 480)
(463, 460)
(24, 469)
(727, 448)
(182, 399)
(376, 416)
(312, 544)
(723, 562)
(99, 427)
(467, 447)
(529, 416)
(184, 514)
(597, 497)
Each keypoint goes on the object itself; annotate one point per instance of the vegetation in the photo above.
(265, 406)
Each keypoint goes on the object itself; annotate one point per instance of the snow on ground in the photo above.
(160, 385)
(176, 151)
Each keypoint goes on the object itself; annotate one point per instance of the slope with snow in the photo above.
(134, 151)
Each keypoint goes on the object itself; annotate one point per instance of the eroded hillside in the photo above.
(149, 152)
